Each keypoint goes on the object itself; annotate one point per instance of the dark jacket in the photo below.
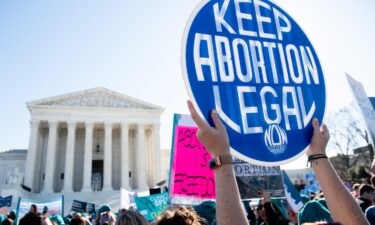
(31, 219)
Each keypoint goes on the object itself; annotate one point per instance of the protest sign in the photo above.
(252, 62)
(251, 178)
(79, 206)
(83, 207)
(364, 104)
(152, 206)
(55, 206)
(292, 195)
(127, 199)
(191, 180)
(6, 202)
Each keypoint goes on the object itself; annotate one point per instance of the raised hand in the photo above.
(319, 139)
(214, 139)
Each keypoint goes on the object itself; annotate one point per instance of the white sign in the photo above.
(364, 104)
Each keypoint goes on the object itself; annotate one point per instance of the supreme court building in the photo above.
(95, 140)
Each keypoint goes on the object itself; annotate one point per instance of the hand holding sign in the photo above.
(214, 139)
(319, 140)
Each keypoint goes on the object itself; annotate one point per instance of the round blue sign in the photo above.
(249, 60)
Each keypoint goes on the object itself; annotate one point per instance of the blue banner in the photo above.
(153, 205)
(6, 202)
(253, 63)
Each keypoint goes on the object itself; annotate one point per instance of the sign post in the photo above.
(252, 62)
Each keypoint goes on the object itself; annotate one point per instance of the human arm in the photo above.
(215, 139)
(341, 204)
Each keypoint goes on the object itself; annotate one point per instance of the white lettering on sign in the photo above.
(244, 59)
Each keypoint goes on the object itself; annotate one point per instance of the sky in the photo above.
(48, 48)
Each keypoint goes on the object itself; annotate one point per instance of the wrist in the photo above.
(314, 157)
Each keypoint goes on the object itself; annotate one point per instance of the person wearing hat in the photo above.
(57, 219)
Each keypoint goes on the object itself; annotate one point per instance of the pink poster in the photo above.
(191, 176)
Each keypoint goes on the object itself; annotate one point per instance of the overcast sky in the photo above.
(49, 48)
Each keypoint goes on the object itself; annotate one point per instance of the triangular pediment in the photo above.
(95, 97)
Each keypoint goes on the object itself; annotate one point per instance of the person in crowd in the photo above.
(57, 219)
(131, 217)
(302, 185)
(314, 211)
(366, 196)
(269, 213)
(229, 211)
(355, 190)
(370, 214)
(33, 217)
(7, 221)
(182, 215)
(296, 185)
(12, 215)
(77, 221)
(107, 218)
(45, 216)
(207, 210)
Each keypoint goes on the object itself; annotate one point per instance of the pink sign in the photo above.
(191, 176)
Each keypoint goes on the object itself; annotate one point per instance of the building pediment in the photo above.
(95, 98)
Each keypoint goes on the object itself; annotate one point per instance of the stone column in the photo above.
(125, 156)
(31, 154)
(157, 152)
(107, 180)
(141, 158)
(69, 157)
(87, 167)
(51, 157)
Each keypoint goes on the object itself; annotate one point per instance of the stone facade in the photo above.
(93, 140)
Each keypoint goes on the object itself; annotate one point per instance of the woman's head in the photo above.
(131, 217)
(181, 215)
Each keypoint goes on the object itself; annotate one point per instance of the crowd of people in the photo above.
(334, 205)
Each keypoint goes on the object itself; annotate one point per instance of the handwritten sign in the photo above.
(190, 176)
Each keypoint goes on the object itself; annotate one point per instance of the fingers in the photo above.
(197, 119)
(216, 120)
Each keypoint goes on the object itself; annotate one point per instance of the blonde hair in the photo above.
(182, 215)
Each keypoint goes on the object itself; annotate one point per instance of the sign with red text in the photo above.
(191, 180)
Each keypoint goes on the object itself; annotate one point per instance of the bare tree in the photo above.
(348, 133)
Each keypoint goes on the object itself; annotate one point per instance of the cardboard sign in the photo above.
(249, 60)
(191, 176)
(364, 104)
(152, 206)
(250, 178)
(83, 207)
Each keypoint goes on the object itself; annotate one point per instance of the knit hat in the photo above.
(104, 208)
(370, 214)
(207, 210)
(313, 211)
(58, 219)
(2, 218)
(323, 202)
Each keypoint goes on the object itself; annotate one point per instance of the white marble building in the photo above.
(93, 140)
